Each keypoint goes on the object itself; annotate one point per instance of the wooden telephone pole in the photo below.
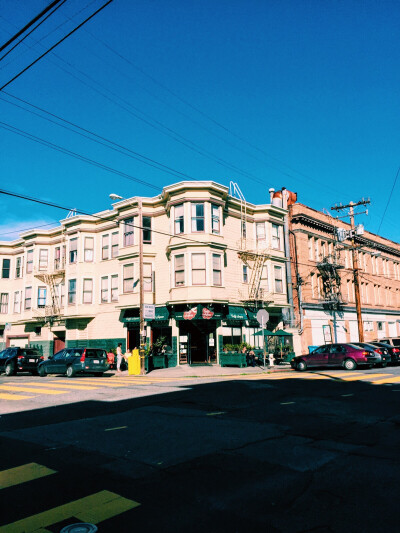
(356, 276)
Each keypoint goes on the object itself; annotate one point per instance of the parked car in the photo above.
(394, 352)
(71, 361)
(14, 359)
(383, 352)
(393, 341)
(347, 356)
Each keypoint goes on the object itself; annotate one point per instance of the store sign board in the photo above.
(149, 311)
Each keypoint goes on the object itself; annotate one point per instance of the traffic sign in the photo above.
(262, 317)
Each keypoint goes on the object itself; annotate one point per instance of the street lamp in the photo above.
(142, 334)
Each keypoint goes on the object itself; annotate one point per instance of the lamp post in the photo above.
(142, 333)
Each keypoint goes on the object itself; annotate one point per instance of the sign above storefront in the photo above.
(149, 312)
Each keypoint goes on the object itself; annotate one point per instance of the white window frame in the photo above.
(278, 268)
(125, 279)
(17, 301)
(105, 247)
(180, 270)
(88, 253)
(86, 291)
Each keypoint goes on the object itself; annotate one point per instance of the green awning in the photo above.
(162, 314)
(281, 333)
(131, 316)
(236, 313)
(267, 333)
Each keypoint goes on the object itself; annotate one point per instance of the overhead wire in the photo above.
(32, 30)
(55, 45)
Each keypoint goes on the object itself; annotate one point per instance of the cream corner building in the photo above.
(210, 261)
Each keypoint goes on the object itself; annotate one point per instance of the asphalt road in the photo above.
(287, 452)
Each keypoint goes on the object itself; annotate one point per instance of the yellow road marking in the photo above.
(6, 396)
(217, 413)
(114, 429)
(387, 380)
(62, 386)
(93, 509)
(365, 377)
(22, 474)
(18, 388)
(93, 383)
(287, 403)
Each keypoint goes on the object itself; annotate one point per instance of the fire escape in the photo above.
(331, 283)
(252, 257)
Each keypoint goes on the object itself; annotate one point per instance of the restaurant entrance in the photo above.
(197, 341)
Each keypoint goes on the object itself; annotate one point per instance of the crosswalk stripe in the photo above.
(19, 388)
(93, 383)
(7, 396)
(93, 509)
(364, 377)
(22, 474)
(62, 386)
(393, 379)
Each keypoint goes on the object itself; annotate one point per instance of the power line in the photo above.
(32, 30)
(390, 197)
(80, 157)
(56, 44)
(30, 23)
(114, 146)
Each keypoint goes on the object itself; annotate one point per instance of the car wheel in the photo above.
(70, 372)
(42, 372)
(98, 374)
(349, 364)
(10, 371)
(383, 365)
(301, 366)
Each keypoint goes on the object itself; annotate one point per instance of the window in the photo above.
(128, 278)
(244, 229)
(29, 261)
(114, 288)
(217, 272)
(264, 277)
(72, 291)
(28, 297)
(179, 270)
(41, 297)
(368, 326)
(6, 268)
(128, 231)
(17, 302)
(278, 279)
(323, 249)
(245, 274)
(88, 252)
(380, 326)
(147, 230)
(60, 293)
(197, 217)
(148, 277)
(276, 240)
(73, 250)
(312, 277)
(215, 219)
(260, 235)
(4, 302)
(310, 248)
(105, 240)
(19, 268)
(114, 244)
(198, 269)
(87, 295)
(179, 219)
(104, 289)
(57, 258)
(43, 258)
(316, 249)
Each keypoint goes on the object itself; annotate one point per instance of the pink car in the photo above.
(347, 356)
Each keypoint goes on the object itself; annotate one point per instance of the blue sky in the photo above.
(302, 94)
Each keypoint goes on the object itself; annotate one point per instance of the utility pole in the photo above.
(142, 335)
(356, 276)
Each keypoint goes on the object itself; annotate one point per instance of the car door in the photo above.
(319, 357)
(337, 354)
(54, 364)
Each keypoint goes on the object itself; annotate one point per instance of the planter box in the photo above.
(232, 359)
(159, 361)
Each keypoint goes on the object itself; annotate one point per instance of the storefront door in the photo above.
(195, 343)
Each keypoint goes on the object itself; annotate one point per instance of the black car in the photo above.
(14, 359)
(71, 361)
(383, 352)
(393, 351)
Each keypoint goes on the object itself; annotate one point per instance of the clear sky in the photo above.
(266, 93)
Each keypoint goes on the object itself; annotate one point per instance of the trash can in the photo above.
(134, 363)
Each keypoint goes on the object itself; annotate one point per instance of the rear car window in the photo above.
(396, 342)
(95, 353)
(31, 352)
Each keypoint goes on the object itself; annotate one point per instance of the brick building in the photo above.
(322, 272)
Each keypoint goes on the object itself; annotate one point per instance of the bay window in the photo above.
(128, 278)
(198, 269)
(216, 269)
(179, 270)
(197, 217)
(179, 219)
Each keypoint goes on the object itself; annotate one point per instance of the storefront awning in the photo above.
(131, 316)
(236, 313)
(198, 312)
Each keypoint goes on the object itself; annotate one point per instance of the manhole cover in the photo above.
(79, 528)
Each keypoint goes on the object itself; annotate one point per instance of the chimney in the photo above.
(271, 194)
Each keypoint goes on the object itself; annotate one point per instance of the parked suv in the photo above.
(393, 351)
(71, 361)
(14, 359)
(393, 341)
(347, 356)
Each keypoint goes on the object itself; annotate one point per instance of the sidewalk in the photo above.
(198, 371)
